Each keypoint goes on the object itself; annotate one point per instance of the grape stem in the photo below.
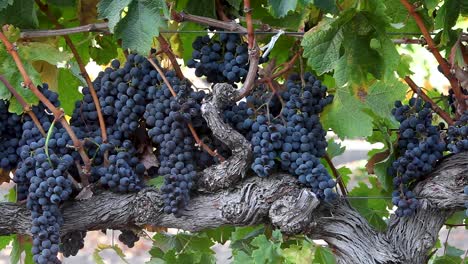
(58, 113)
(166, 48)
(286, 67)
(26, 106)
(44, 8)
(416, 89)
(337, 175)
(433, 49)
(192, 130)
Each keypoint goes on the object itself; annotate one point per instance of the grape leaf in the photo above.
(188, 39)
(9, 71)
(453, 251)
(382, 95)
(111, 10)
(141, 24)
(345, 116)
(5, 3)
(106, 51)
(21, 243)
(334, 149)
(35, 51)
(68, 90)
(21, 13)
(220, 234)
(323, 255)
(204, 8)
(322, 44)
(62, 3)
(293, 20)
(268, 251)
(280, 8)
(329, 6)
(303, 253)
(447, 260)
(372, 209)
(5, 241)
(446, 18)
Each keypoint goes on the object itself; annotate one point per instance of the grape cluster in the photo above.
(457, 135)
(10, 133)
(72, 242)
(167, 117)
(452, 99)
(420, 147)
(128, 237)
(291, 133)
(221, 60)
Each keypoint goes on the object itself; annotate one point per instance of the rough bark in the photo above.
(224, 175)
(280, 201)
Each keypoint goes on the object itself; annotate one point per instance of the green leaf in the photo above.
(240, 257)
(220, 234)
(105, 52)
(323, 255)
(322, 44)
(36, 51)
(456, 219)
(334, 149)
(268, 251)
(68, 90)
(188, 39)
(21, 13)
(112, 10)
(204, 8)
(5, 3)
(21, 244)
(382, 95)
(453, 251)
(140, 25)
(446, 18)
(345, 116)
(447, 260)
(100, 247)
(156, 182)
(303, 253)
(5, 241)
(279, 8)
(235, 3)
(329, 6)
(372, 209)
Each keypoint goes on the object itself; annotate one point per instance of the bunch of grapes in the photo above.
(128, 237)
(457, 135)
(420, 148)
(10, 134)
(72, 242)
(289, 133)
(168, 118)
(221, 60)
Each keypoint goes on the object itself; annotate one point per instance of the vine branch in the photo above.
(416, 89)
(26, 106)
(58, 113)
(433, 49)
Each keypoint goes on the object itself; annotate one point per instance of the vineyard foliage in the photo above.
(344, 67)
